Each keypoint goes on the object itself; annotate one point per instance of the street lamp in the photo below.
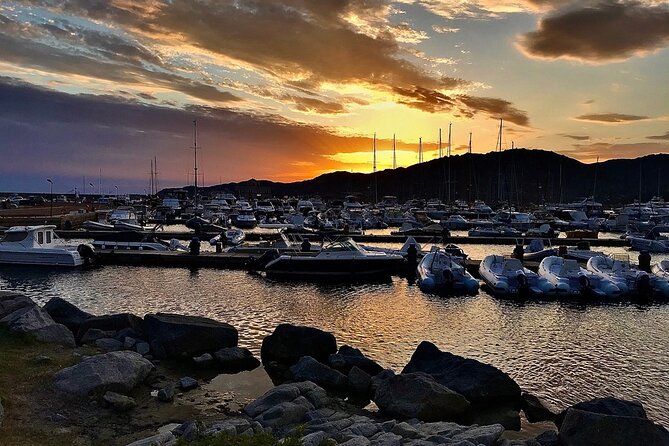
(116, 192)
(50, 195)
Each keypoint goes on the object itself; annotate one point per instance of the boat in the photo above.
(245, 219)
(543, 231)
(575, 280)
(232, 237)
(39, 245)
(127, 226)
(340, 261)
(661, 269)
(508, 277)
(536, 251)
(503, 231)
(650, 245)
(130, 241)
(97, 226)
(630, 280)
(455, 222)
(403, 251)
(582, 233)
(441, 272)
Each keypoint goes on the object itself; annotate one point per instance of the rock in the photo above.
(359, 383)
(315, 438)
(36, 321)
(187, 383)
(129, 343)
(189, 431)
(66, 313)
(161, 439)
(190, 335)
(504, 415)
(116, 371)
(205, 360)
(607, 406)
(109, 344)
(285, 414)
(93, 334)
(166, 394)
(548, 438)
(348, 357)
(119, 402)
(581, 428)
(236, 359)
(356, 441)
(142, 348)
(536, 410)
(288, 343)
(308, 369)
(417, 395)
(110, 322)
(287, 393)
(10, 302)
(2, 413)
(387, 439)
(128, 333)
(380, 377)
(42, 359)
(487, 435)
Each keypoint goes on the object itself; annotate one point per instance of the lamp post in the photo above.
(116, 192)
(50, 195)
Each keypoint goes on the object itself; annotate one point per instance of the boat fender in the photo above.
(522, 280)
(87, 252)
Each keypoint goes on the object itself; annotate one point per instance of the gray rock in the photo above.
(315, 438)
(535, 409)
(110, 322)
(187, 383)
(508, 417)
(142, 348)
(379, 377)
(548, 438)
(161, 439)
(119, 402)
(189, 335)
(93, 334)
(63, 312)
(365, 428)
(109, 344)
(285, 414)
(387, 439)
(417, 395)
(10, 302)
(308, 369)
(581, 428)
(359, 383)
(528, 442)
(189, 431)
(205, 360)
(115, 371)
(288, 393)
(232, 426)
(353, 357)
(481, 435)
(55, 334)
(607, 406)
(129, 343)
(27, 319)
(405, 430)
(288, 343)
(166, 394)
(356, 441)
(236, 359)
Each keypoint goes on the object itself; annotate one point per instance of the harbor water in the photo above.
(563, 352)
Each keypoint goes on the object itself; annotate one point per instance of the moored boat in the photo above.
(441, 272)
(508, 277)
(39, 245)
(574, 280)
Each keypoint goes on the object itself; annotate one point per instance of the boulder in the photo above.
(142, 348)
(418, 395)
(582, 428)
(308, 369)
(10, 302)
(288, 343)
(116, 371)
(359, 383)
(548, 438)
(36, 321)
(287, 393)
(66, 313)
(109, 344)
(166, 394)
(93, 334)
(129, 343)
(348, 357)
(187, 383)
(478, 382)
(535, 409)
(236, 359)
(205, 360)
(119, 402)
(176, 335)
(160, 439)
(110, 322)
(607, 406)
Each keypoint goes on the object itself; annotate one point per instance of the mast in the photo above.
(394, 155)
(155, 173)
(470, 143)
(195, 149)
(376, 181)
(499, 160)
(100, 183)
(420, 150)
(151, 178)
(594, 187)
(441, 153)
(449, 162)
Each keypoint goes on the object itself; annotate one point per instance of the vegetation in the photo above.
(258, 439)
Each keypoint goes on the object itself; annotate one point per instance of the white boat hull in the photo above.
(43, 257)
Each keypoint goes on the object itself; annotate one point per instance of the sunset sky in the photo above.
(290, 89)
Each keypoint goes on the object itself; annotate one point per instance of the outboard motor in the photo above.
(87, 252)
(584, 281)
(262, 261)
(519, 252)
(449, 278)
(643, 285)
(644, 261)
(523, 283)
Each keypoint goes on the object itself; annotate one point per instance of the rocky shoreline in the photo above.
(323, 394)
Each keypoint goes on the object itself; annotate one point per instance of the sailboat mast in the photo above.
(195, 149)
(499, 161)
(420, 150)
(449, 162)
(151, 178)
(441, 153)
(594, 187)
(376, 182)
(394, 155)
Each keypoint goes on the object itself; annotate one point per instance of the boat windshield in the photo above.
(343, 245)
(15, 236)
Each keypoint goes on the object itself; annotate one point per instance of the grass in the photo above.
(258, 439)
(25, 390)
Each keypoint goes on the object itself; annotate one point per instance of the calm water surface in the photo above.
(562, 352)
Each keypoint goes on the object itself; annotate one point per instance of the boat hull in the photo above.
(43, 258)
(331, 270)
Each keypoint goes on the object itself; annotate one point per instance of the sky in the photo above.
(290, 89)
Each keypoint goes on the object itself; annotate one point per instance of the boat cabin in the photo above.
(31, 236)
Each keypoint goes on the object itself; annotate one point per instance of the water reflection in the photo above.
(563, 351)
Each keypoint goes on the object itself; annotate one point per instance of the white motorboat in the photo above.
(39, 245)
(130, 241)
(97, 226)
(455, 222)
(630, 280)
(536, 251)
(508, 277)
(339, 261)
(568, 275)
(659, 245)
(245, 219)
(233, 237)
(503, 231)
(439, 271)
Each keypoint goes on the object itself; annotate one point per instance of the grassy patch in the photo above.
(26, 389)
(259, 439)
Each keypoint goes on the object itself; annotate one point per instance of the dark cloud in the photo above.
(607, 31)
(606, 151)
(612, 118)
(665, 136)
(576, 137)
(497, 108)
